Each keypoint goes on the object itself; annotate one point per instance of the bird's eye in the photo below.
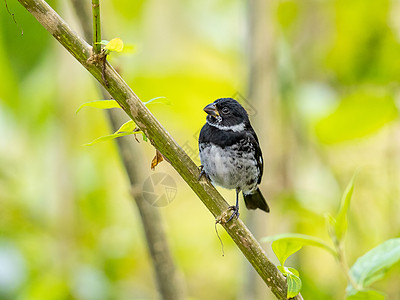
(225, 110)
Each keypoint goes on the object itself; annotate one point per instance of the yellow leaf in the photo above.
(115, 44)
(129, 48)
(104, 104)
(129, 126)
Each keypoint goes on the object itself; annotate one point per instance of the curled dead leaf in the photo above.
(156, 160)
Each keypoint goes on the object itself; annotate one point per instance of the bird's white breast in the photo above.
(229, 167)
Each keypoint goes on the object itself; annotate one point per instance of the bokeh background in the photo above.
(320, 78)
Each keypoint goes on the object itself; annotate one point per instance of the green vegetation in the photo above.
(68, 228)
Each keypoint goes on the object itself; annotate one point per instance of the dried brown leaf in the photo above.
(156, 160)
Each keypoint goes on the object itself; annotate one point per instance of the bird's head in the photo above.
(225, 113)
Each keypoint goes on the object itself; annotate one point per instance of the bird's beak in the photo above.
(212, 110)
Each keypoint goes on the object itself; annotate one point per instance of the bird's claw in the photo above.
(235, 210)
(202, 173)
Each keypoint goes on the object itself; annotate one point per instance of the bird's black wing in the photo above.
(258, 154)
(207, 136)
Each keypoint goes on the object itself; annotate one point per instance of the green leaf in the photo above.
(108, 138)
(144, 136)
(107, 104)
(331, 223)
(288, 270)
(374, 264)
(103, 42)
(293, 271)
(153, 101)
(104, 104)
(128, 126)
(282, 269)
(367, 295)
(293, 285)
(286, 244)
(285, 248)
(341, 217)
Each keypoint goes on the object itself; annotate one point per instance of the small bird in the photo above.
(230, 154)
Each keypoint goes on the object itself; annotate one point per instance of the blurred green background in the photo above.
(321, 80)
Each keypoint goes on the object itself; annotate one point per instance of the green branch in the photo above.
(162, 141)
(96, 26)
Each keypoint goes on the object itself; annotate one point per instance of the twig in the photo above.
(96, 27)
(219, 238)
(162, 141)
(167, 276)
(83, 12)
(103, 69)
(13, 17)
(345, 267)
(99, 56)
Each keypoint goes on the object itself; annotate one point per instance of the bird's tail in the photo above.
(255, 200)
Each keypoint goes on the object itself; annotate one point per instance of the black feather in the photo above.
(256, 200)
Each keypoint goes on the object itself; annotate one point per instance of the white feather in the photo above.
(236, 128)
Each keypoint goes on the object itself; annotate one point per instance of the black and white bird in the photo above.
(230, 153)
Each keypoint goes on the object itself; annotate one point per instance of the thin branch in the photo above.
(13, 17)
(96, 26)
(168, 280)
(261, 95)
(162, 141)
(82, 11)
(344, 265)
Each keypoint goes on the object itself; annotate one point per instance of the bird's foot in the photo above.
(202, 173)
(235, 213)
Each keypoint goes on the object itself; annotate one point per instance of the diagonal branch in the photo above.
(162, 141)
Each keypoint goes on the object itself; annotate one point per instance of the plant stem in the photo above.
(96, 26)
(82, 11)
(164, 142)
(169, 281)
(345, 267)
